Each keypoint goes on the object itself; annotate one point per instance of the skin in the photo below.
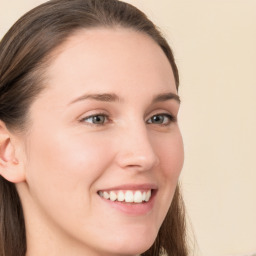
(65, 159)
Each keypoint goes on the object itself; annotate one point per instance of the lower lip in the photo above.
(134, 209)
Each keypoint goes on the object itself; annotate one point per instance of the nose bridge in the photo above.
(136, 150)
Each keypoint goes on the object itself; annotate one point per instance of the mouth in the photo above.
(128, 196)
(131, 199)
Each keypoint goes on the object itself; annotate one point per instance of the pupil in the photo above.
(98, 119)
(158, 119)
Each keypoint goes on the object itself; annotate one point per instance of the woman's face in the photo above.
(105, 126)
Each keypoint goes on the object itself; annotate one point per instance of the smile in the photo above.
(127, 196)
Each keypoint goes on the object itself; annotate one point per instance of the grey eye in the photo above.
(96, 119)
(158, 119)
(164, 119)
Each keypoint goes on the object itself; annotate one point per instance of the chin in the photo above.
(132, 250)
(134, 245)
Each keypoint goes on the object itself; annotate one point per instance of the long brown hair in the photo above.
(24, 52)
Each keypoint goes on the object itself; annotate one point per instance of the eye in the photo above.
(98, 119)
(161, 119)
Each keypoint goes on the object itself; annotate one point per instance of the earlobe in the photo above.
(10, 167)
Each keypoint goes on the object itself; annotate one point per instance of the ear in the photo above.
(10, 167)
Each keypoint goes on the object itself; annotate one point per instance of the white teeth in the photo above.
(144, 196)
(127, 196)
(113, 196)
(120, 196)
(137, 197)
(106, 195)
(148, 195)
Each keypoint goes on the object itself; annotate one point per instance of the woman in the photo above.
(90, 146)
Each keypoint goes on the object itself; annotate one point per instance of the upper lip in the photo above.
(145, 186)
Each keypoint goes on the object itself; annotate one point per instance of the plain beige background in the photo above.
(214, 42)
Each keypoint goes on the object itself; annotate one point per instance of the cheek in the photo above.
(61, 175)
(171, 155)
(62, 164)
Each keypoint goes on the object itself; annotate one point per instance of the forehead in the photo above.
(109, 59)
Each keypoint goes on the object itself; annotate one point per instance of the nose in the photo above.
(136, 150)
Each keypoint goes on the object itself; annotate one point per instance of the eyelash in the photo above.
(170, 119)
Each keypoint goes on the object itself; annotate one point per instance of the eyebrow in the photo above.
(112, 97)
(107, 97)
(166, 96)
